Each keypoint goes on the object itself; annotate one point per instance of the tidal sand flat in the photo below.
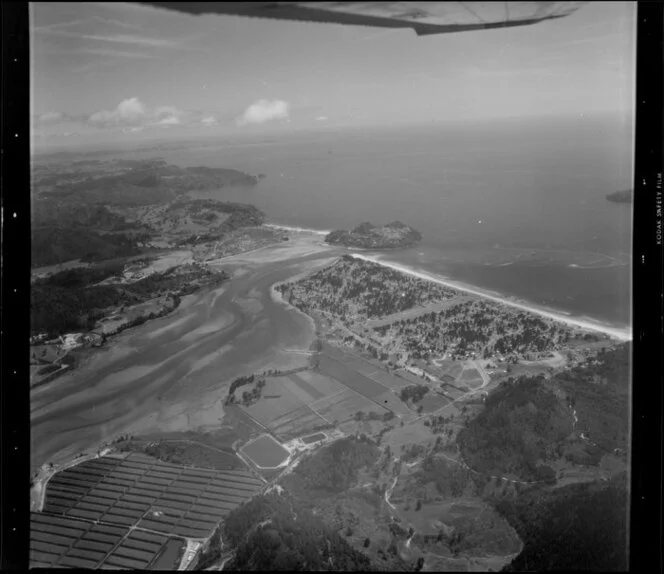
(161, 383)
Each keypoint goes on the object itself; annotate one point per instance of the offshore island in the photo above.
(210, 391)
(367, 236)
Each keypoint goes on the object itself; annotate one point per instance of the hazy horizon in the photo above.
(122, 74)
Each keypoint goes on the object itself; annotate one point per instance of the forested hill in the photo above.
(273, 532)
(368, 236)
(577, 527)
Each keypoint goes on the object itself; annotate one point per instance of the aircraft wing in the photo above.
(423, 17)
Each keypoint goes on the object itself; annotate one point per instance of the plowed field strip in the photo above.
(232, 486)
(138, 498)
(200, 472)
(137, 465)
(143, 506)
(55, 508)
(146, 492)
(70, 533)
(51, 537)
(177, 498)
(104, 496)
(94, 545)
(173, 504)
(57, 521)
(40, 546)
(151, 480)
(116, 519)
(146, 536)
(105, 487)
(120, 480)
(94, 516)
(85, 505)
(111, 539)
(95, 555)
(105, 529)
(218, 499)
(125, 512)
(125, 552)
(61, 491)
(143, 545)
(64, 478)
(125, 562)
(75, 562)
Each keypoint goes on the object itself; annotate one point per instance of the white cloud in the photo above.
(169, 121)
(134, 113)
(50, 117)
(321, 118)
(128, 112)
(264, 111)
(209, 121)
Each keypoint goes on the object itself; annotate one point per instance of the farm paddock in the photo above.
(265, 452)
(131, 511)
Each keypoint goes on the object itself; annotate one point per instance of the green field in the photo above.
(265, 452)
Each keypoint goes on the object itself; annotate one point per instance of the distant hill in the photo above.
(140, 182)
(368, 236)
(53, 244)
(624, 196)
(49, 212)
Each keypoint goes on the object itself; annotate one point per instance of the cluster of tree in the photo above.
(236, 384)
(450, 479)
(413, 393)
(250, 397)
(334, 468)
(520, 422)
(413, 452)
(471, 327)
(373, 416)
(363, 288)
(275, 532)
(572, 528)
(82, 276)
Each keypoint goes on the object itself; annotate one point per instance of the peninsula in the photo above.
(368, 236)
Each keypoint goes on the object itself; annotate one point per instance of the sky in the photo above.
(119, 72)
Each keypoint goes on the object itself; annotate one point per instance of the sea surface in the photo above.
(513, 206)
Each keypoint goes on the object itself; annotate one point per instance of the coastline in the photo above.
(294, 229)
(622, 334)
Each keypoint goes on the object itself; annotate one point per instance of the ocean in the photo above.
(517, 207)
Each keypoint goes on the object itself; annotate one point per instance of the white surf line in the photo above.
(620, 334)
(296, 229)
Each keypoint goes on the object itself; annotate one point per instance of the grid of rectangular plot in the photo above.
(143, 492)
(63, 542)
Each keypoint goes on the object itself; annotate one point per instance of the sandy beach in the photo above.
(616, 333)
